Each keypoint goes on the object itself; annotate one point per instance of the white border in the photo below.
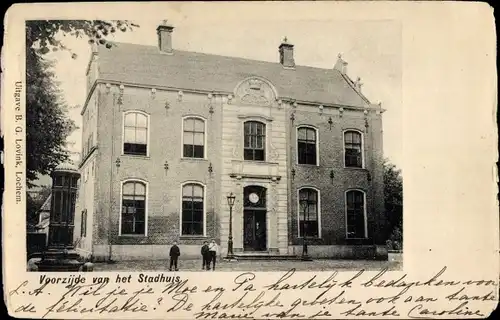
(146, 183)
(318, 209)
(297, 144)
(362, 148)
(364, 213)
(148, 140)
(204, 208)
(205, 135)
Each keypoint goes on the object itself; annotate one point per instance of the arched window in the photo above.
(193, 138)
(135, 133)
(353, 149)
(192, 209)
(133, 216)
(308, 212)
(307, 146)
(255, 141)
(355, 212)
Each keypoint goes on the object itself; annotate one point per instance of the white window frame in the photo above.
(318, 209)
(205, 135)
(266, 122)
(364, 213)
(146, 209)
(204, 208)
(362, 148)
(297, 144)
(148, 140)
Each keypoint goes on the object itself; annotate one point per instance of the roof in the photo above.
(44, 220)
(46, 205)
(66, 167)
(146, 65)
(44, 214)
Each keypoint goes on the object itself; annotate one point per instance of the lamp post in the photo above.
(230, 203)
(305, 255)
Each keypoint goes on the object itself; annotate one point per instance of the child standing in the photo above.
(175, 252)
(205, 255)
(214, 249)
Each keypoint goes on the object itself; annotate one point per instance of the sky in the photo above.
(371, 48)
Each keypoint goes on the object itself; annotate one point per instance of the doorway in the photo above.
(254, 219)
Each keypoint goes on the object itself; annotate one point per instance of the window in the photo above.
(194, 138)
(353, 149)
(83, 225)
(255, 141)
(133, 208)
(308, 213)
(135, 133)
(306, 146)
(355, 204)
(192, 210)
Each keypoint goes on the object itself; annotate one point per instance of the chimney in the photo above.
(341, 65)
(164, 32)
(286, 54)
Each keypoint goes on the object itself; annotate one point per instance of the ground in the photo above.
(394, 263)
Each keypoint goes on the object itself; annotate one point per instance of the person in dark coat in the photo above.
(205, 255)
(175, 252)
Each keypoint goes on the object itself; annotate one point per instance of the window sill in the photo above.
(187, 237)
(136, 156)
(308, 165)
(261, 162)
(355, 168)
(310, 238)
(194, 159)
(135, 236)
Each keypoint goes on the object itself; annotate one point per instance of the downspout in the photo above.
(110, 238)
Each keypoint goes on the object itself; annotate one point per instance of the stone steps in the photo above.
(264, 256)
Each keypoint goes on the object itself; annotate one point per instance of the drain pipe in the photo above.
(110, 221)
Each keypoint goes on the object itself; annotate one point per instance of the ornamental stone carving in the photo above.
(255, 91)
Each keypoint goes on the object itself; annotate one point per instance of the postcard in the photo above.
(250, 160)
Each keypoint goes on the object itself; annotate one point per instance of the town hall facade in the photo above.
(168, 135)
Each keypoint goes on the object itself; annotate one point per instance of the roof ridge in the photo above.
(220, 55)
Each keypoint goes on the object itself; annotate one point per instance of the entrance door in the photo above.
(254, 219)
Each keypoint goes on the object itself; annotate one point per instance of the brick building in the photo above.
(168, 134)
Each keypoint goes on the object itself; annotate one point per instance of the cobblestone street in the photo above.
(394, 263)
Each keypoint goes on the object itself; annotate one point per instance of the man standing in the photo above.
(213, 248)
(175, 252)
(205, 255)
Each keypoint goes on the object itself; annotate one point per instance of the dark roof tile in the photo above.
(146, 65)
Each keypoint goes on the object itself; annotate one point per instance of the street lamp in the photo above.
(305, 255)
(230, 203)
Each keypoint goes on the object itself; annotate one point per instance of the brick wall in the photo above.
(165, 146)
(331, 158)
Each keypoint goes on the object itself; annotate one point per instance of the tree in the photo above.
(393, 193)
(47, 123)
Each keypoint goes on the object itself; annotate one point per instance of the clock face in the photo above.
(253, 197)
